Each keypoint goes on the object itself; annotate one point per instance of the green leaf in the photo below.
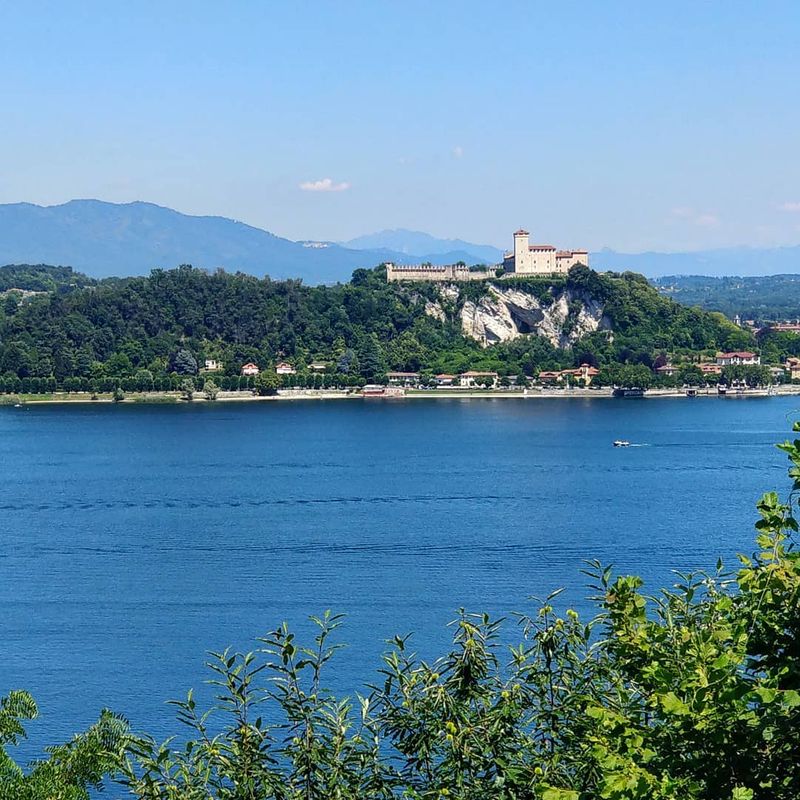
(672, 704)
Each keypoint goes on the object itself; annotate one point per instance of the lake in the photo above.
(136, 538)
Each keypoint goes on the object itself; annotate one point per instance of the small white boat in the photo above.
(621, 443)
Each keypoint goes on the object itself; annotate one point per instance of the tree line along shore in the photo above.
(155, 334)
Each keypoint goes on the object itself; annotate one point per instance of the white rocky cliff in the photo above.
(504, 314)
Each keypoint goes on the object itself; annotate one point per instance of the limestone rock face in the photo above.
(508, 313)
(434, 310)
(447, 292)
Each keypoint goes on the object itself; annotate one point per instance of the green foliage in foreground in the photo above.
(689, 694)
(71, 769)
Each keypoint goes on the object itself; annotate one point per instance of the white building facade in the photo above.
(541, 259)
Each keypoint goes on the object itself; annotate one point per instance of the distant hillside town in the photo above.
(524, 259)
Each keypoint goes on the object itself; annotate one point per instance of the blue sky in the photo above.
(631, 125)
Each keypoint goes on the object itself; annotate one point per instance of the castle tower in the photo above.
(521, 250)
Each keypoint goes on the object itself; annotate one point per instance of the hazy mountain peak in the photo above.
(103, 239)
(423, 245)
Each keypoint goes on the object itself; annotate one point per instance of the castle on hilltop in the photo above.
(439, 273)
(526, 259)
(541, 259)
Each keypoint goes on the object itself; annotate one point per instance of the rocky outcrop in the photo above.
(435, 310)
(506, 313)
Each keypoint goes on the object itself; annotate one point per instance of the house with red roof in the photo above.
(740, 357)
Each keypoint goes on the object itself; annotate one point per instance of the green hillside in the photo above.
(121, 329)
(765, 299)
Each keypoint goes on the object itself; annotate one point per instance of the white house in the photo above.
(282, 368)
(250, 369)
(471, 379)
(402, 378)
(743, 357)
(212, 365)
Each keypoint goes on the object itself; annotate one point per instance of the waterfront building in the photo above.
(550, 376)
(444, 379)
(667, 369)
(282, 368)
(212, 365)
(583, 374)
(318, 366)
(710, 369)
(403, 378)
(737, 358)
(250, 369)
(540, 259)
(793, 368)
(471, 379)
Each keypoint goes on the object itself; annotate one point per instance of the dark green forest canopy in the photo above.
(41, 278)
(766, 298)
(116, 328)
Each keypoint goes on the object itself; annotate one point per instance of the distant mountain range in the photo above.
(104, 239)
(109, 239)
(425, 247)
(740, 261)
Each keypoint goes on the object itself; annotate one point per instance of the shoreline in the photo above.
(175, 398)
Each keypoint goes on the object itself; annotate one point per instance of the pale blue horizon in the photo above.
(626, 125)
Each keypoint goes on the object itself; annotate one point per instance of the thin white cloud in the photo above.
(706, 220)
(324, 185)
(458, 151)
(789, 206)
(699, 218)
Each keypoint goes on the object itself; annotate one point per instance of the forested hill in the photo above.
(767, 298)
(41, 278)
(362, 328)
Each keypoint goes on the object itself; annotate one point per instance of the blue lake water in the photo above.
(133, 539)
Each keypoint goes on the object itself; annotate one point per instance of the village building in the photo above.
(710, 369)
(212, 365)
(472, 379)
(793, 368)
(250, 369)
(583, 374)
(444, 379)
(667, 369)
(737, 358)
(282, 368)
(541, 259)
(550, 376)
(403, 378)
(318, 366)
